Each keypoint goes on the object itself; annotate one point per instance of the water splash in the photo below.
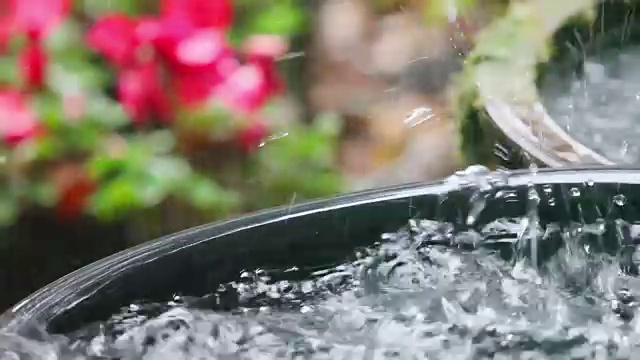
(434, 289)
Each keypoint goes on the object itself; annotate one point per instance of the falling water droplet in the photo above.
(418, 116)
(590, 183)
(273, 137)
(620, 200)
(575, 192)
(624, 149)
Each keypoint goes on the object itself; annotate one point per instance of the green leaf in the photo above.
(205, 194)
(76, 74)
(44, 193)
(281, 18)
(46, 148)
(8, 212)
(9, 70)
(65, 39)
(50, 110)
(105, 111)
(115, 198)
(97, 7)
(170, 171)
(100, 167)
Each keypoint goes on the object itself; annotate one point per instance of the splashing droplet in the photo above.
(620, 200)
(418, 116)
(575, 192)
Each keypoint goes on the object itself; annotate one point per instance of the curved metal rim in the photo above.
(56, 297)
(519, 132)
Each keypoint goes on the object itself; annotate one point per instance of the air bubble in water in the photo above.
(418, 116)
(620, 200)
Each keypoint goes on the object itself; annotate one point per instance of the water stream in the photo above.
(427, 291)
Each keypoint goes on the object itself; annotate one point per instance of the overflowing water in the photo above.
(601, 106)
(427, 291)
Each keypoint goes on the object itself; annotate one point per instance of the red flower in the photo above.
(74, 187)
(18, 121)
(183, 44)
(114, 36)
(33, 65)
(141, 93)
(38, 18)
(252, 136)
(249, 87)
(196, 84)
(6, 26)
(217, 14)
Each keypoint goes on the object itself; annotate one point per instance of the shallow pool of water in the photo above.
(425, 292)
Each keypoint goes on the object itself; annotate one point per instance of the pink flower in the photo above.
(37, 18)
(250, 86)
(33, 65)
(217, 14)
(18, 121)
(141, 93)
(252, 136)
(183, 44)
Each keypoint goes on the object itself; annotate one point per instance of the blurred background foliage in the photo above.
(318, 137)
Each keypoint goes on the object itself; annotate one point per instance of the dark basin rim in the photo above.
(54, 298)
